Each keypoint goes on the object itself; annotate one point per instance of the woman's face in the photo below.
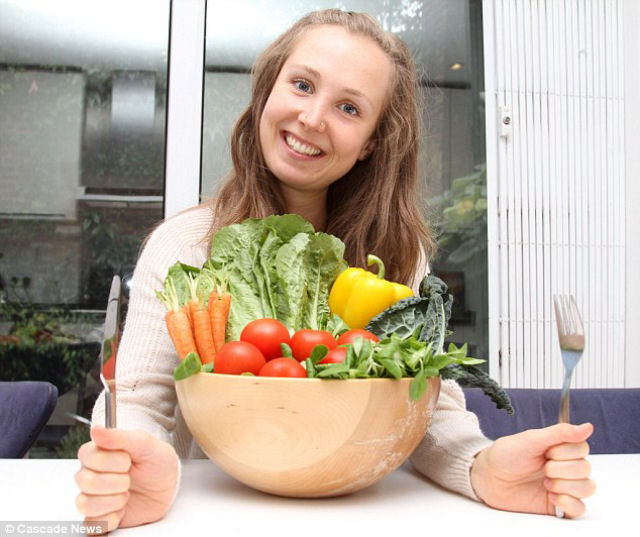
(324, 108)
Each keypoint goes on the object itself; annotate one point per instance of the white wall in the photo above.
(632, 163)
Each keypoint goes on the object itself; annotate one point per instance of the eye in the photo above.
(349, 109)
(303, 85)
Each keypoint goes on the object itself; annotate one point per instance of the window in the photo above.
(446, 40)
(82, 116)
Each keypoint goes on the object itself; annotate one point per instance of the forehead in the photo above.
(348, 59)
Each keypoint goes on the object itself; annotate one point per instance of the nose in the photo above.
(312, 119)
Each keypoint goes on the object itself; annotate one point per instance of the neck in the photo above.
(311, 206)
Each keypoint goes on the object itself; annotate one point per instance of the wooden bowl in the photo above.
(303, 437)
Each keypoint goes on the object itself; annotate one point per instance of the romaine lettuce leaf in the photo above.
(276, 267)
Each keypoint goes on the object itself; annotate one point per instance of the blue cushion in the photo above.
(25, 408)
(614, 412)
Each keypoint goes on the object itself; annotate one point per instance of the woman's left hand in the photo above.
(533, 471)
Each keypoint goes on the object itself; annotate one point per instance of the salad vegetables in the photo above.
(357, 295)
(285, 286)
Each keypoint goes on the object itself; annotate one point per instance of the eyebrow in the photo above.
(351, 91)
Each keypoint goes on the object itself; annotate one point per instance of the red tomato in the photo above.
(238, 357)
(303, 342)
(282, 367)
(335, 356)
(350, 336)
(267, 335)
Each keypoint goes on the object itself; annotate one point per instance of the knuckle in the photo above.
(86, 480)
(80, 478)
(548, 469)
(81, 503)
(577, 510)
(585, 449)
(84, 450)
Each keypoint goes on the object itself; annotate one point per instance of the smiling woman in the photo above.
(320, 118)
(439, 35)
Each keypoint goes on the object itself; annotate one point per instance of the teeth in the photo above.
(301, 148)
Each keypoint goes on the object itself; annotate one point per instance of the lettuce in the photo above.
(276, 267)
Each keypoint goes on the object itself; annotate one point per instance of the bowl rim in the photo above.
(315, 380)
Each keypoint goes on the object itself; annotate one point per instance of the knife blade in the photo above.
(108, 351)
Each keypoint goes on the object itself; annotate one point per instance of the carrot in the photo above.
(201, 325)
(181, 333)
(204, 336)
(178, 323)
(219, 304)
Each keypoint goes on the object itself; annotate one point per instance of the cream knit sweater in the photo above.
(146, 359)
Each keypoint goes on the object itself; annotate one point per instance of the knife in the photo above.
(109, 351)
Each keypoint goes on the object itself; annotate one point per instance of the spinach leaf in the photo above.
(187, 367)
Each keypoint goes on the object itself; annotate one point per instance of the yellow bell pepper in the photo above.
(358, 295)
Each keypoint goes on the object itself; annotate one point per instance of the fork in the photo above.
(571, 338)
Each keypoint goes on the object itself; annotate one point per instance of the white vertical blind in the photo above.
(555, 131)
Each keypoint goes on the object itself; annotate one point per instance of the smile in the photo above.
(300, 147)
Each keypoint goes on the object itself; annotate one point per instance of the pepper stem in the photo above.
(375, 260)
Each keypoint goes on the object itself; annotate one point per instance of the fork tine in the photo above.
(576, 320)
(557, 305)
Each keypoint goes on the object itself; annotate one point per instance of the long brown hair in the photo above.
(375, 207)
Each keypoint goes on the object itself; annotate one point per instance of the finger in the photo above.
(137, 443)
(578, 488)
(575, 469)
(567, 452)
(94, 506)
(111, 521)
(542, 439)
(102, 483)
(572, 507)
(102, 460)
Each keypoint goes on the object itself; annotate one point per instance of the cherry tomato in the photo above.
(350, 336)
(335, 356)
(303, 342)
(237, 357)
(282, 367)
(267, 335)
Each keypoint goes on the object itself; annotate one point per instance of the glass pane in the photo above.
(446, 40)
(82, 116)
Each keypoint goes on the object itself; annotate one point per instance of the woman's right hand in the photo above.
(127, 478)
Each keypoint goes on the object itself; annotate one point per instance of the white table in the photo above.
(402, 504)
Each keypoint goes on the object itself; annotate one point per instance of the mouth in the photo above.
(301, 148)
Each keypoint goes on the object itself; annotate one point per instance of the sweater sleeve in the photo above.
(453, 439)
(146, 397)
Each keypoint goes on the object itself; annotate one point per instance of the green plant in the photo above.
(463, 226)
(37, 347)
(71, 442)
(110, 250)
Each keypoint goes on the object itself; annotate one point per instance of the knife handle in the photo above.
(109, 409)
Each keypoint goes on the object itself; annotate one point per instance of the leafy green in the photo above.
(474, 377)
(392, 357)
(276, 267)
(425, 319)
(187, 367)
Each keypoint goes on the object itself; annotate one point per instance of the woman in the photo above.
(331, 133)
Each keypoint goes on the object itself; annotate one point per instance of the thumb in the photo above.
(138, 444)
(561, 433)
